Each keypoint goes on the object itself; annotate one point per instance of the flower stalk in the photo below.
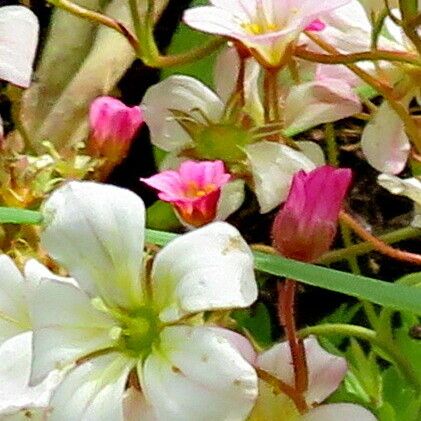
(98, 18)
(378, 244)
(286, 312)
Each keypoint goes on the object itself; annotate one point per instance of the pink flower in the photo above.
(305, 227)
(325, 373)
(265, 27)
(194, 189)
(113, 126)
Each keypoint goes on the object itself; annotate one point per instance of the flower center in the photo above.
(222, 141)
(139, 332)
(259, 29)
(193, 190)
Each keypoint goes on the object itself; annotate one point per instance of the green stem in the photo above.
(271, 97)
(98, 18)
(376, 55)
(333, 157)
(365, 247)
(388, 347)
(187, 57)
(137, 24)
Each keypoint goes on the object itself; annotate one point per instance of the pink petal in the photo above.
(326, 371)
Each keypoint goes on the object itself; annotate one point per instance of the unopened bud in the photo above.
(113, 126)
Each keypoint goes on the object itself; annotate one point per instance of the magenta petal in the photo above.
(305, 227)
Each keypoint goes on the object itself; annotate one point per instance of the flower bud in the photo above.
(194, 190)
(113, 126)
(305, 227)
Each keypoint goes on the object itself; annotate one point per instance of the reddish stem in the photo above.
(286, 309)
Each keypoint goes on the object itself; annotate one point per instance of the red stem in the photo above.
(286, 309)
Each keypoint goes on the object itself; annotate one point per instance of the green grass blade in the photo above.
(19, 216)
(399, 297)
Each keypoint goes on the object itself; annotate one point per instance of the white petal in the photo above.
(35, 272)
(14, 317)
(66, 327)
(136, 407)
(273, 166)
(232, 197)
(271, 406)
(313, 103)
(312, 151)
(215, 21)
(18, 42)
(207, 269)
(96, 232)
(384, 141)
(93, 391)
(410, 187)
(15, 370)
(342, 411)
(326, 371)
(225, 82)
(27, 415)
(197, 375)
(181, 93)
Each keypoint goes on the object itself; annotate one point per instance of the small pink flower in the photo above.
(113, 126)
(325, 374)
(265, 27)
(194, 189)
(305, 227)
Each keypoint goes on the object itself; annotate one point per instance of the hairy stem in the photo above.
(286, 310)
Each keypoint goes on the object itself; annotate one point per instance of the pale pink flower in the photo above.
(265, 27)
(194, 189)
(325, 371)
(113, 126)
(305, 227)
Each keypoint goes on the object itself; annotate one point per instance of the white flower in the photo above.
(266, 27)
(325, 373)
(384, 140)
(409, 187)
(19, 38)
(129, 319)
(17, 395)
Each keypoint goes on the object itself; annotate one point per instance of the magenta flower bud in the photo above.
(113, 126)
(305, 227)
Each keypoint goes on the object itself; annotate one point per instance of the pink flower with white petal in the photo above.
(325, 373)
(113, 127)
(266, 27)
(194, 189)
(305, 227)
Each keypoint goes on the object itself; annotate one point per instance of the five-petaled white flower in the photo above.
(134, 330)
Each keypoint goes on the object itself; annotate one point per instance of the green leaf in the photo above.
(391, 295)
(399, 297)
(257, 322)
(398, 395)
(186, 39)
(161, 216)
(19, 216)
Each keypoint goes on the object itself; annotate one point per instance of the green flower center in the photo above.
(140, 331)
(220, 141)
